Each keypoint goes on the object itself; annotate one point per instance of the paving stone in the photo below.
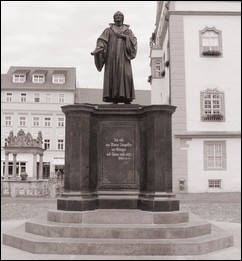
(224, 207)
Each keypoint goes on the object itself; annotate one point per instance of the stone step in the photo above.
(41, 227)
(20, 239)
(118, 216)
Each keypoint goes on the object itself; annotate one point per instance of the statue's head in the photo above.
(118, 15)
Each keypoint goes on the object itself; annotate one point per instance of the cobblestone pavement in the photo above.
(224, 207)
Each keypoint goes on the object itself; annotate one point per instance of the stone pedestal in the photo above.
(118, 156)
(118, 232)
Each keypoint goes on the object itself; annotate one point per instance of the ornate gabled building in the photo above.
(196, 66)
(19, 144)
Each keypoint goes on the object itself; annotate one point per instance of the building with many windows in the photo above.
(31, 100)
(196, 66)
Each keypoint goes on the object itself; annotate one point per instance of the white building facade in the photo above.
(31, 100)
(198, 47)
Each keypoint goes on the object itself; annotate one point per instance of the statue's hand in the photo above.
(122, 36)
(97, 50)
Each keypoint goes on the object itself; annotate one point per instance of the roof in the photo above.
(94, 96)
(2, 78)
(70, 82)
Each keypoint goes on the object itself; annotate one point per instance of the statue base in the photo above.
(118, 156)
(116, 202)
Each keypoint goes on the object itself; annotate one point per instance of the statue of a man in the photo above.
(116, 47)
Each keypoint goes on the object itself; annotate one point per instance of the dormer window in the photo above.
(38, 76)
(210, 42)
(19, 76)
(59, 77)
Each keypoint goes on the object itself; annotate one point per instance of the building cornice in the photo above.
(209, 134)
(33, 112)
(218, 13)
(34, 89)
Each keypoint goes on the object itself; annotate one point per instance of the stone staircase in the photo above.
(118, 232)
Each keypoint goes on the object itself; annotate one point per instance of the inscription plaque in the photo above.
(118, 156)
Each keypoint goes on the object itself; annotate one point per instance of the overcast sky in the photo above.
(56, 34)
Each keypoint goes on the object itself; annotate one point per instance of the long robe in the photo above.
(117, 54)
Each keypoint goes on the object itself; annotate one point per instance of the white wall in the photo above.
(198, 178)
(53, 133)
(15, 109)
(156, 91)
(221, 73)
(16, 96)
(30, 109)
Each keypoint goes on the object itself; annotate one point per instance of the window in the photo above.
(10, 168)
(61, 98)
(36, 121)
(8, 120)
(60, 122)
(47, 144)
(9, 97)
(58, 78)
(48, 97)
(22, 121)
(36, 97)
(47, 122)
(20, 167)
(214, 155)
(23, 97)
(46, 170)
(38, 78)
(212, 105)
(60, 144)
(19, 78)
(210, 42)
(214, 183)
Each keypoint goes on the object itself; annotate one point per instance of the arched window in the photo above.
(210, 42)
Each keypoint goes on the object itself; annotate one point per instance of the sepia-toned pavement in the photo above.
(221, 209)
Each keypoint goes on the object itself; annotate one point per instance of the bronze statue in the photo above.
(115, 48)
